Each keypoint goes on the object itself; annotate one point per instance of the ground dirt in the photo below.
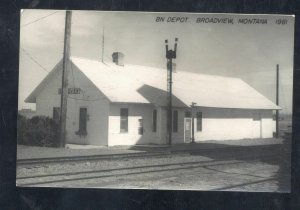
(229, 166)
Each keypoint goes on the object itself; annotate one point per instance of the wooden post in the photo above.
(64, 85)
(277, 100)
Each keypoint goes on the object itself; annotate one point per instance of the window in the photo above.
(199, 121)
(56, 114)
(82, 122)
(124, 120)
(175, 121)
(141, 128)
(154, 120)
(188, 114)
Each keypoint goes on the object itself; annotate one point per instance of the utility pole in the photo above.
(193, 127)
(64, 85)
(170, 54)
(277, 100)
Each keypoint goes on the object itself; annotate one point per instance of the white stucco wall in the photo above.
(219, 124)
(233, 124)
(96, 103)
(135, 112)
(143, 111)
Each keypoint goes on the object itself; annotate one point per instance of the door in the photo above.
(56, 114)
(82, 130)
(187, 130)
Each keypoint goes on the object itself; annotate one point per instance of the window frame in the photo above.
(141, 126)
(199, 117)
(58, 114)
(82, 130)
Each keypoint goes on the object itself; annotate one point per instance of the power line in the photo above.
(34, 60)
(12, 39)
(39, 19)
(28, 54)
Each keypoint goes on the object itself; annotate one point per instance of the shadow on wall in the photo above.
(155, 96)
(159, 97)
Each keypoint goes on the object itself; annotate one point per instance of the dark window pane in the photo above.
(199, 121)
(141, 128)
(124, 112)
(175, 121)
(124, 120)
(56, 114)
(154, 125)
(82, 121)
(188, 114)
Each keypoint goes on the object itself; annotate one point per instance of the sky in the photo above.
(244, 50)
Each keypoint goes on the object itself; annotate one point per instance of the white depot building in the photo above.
(116, 104)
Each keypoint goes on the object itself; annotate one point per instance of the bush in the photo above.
(38, 131)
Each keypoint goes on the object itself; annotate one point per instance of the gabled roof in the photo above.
(32, 97)
(140, 84)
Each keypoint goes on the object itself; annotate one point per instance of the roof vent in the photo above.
(118, 58)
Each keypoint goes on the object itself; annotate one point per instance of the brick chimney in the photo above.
(118, 58)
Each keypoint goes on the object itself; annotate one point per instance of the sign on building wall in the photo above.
(71, 90)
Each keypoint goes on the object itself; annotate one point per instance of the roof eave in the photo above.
(32, 97)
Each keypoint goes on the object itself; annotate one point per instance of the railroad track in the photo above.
(165, 153)
(35, 161)
(75, 176)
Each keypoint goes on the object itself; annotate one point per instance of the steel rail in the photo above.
(199, 163)
(169, 152)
